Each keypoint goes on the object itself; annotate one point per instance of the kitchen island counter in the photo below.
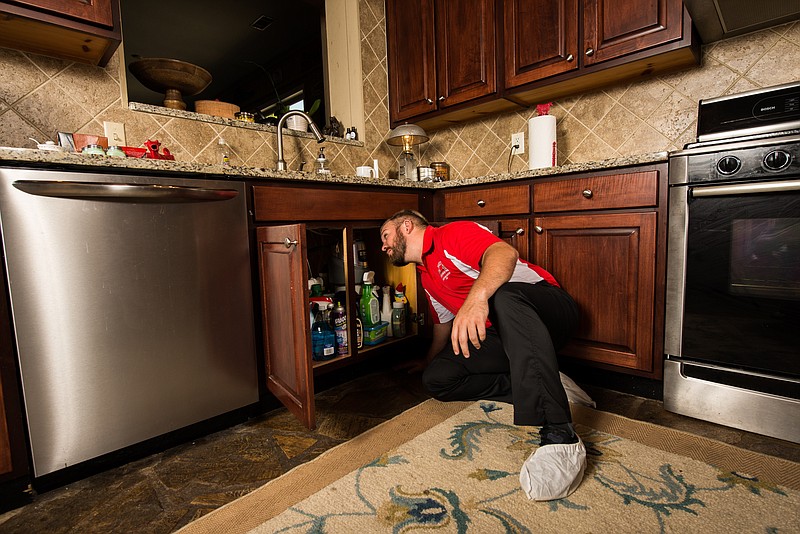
(73, 161)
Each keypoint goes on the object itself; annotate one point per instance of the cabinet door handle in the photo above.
(288, 243)
(513, 233)
(590, 51)
(441, 98)
(538, 229)
(429, 101)
(481, 203)
(570, 57)
(587, 193)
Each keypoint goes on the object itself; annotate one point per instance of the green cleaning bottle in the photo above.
(368, 303)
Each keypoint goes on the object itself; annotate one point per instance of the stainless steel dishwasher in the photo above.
(131, 307)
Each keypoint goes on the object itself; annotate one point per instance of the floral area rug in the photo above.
(462, 475)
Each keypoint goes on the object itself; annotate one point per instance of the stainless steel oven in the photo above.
(732, 333)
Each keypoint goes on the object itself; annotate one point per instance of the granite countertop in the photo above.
(61, 160)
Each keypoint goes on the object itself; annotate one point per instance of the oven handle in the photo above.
(746, 189)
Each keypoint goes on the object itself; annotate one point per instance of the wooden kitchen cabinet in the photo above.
(613, 29)
(555, 48)
(86, 31)
(494, 207)
(441, 55)
(542, 37)
(305, 232)
(451, 62)
(487, 201)
(284, 299)
(93, 11)
(515, 232)
(602, 237)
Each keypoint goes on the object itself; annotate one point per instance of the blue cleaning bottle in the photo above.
(323, 340)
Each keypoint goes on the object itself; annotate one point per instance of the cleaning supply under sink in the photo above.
(368, 304)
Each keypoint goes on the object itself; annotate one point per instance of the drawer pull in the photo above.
(590, 52)
(538, 229)
(288, 243)
(481, 203)
(441, 98)
(587, 193)
(570, 57)
(429, 101)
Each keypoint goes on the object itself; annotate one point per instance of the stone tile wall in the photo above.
(40, 96)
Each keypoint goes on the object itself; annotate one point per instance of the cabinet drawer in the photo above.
(507, 200)
(318, 204)
(634, 190)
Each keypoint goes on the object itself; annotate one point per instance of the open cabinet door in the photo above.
(284, 302)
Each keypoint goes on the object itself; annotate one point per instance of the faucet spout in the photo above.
(314, 130)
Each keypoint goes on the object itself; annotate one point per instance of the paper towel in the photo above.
(542, 142)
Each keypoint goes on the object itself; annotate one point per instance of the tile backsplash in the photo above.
(40, 96)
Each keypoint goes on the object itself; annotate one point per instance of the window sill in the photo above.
(190, 115)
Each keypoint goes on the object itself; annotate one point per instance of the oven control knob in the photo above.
(777, 160)
(729, 165)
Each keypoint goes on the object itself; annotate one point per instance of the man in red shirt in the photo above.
(503, 318)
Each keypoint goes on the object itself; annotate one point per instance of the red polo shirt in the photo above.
(451, 256)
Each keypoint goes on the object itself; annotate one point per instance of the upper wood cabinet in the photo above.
(411, 55)
(540, 39)
(92, 11)
(86, 31)
(440, 54)
(612, 29)
(542, 36)
(465, 50)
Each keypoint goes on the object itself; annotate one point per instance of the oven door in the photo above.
(734, 276)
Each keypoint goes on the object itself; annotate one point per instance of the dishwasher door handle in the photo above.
(109, 192)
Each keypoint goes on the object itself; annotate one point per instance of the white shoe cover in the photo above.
(553, 471)
(575, 394)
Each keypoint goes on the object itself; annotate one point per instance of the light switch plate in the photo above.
(115, 132)
(519, 140)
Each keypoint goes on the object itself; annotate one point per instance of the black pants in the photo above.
(517, 361)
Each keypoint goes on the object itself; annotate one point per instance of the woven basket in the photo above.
(216, 108)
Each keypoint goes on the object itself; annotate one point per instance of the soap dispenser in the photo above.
(322, 162)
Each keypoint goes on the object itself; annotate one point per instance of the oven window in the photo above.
(742, 302)
(765, 257)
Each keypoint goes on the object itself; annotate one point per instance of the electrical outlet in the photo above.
(115, 132)
(519, 140)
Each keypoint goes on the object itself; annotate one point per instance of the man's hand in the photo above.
(469, 326)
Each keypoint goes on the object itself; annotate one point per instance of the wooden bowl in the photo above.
(172, 77)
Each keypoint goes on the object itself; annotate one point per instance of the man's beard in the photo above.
(398, 252)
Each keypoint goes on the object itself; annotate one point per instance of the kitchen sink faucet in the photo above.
(317, 134)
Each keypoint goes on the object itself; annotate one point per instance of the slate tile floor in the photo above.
(162, 492)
